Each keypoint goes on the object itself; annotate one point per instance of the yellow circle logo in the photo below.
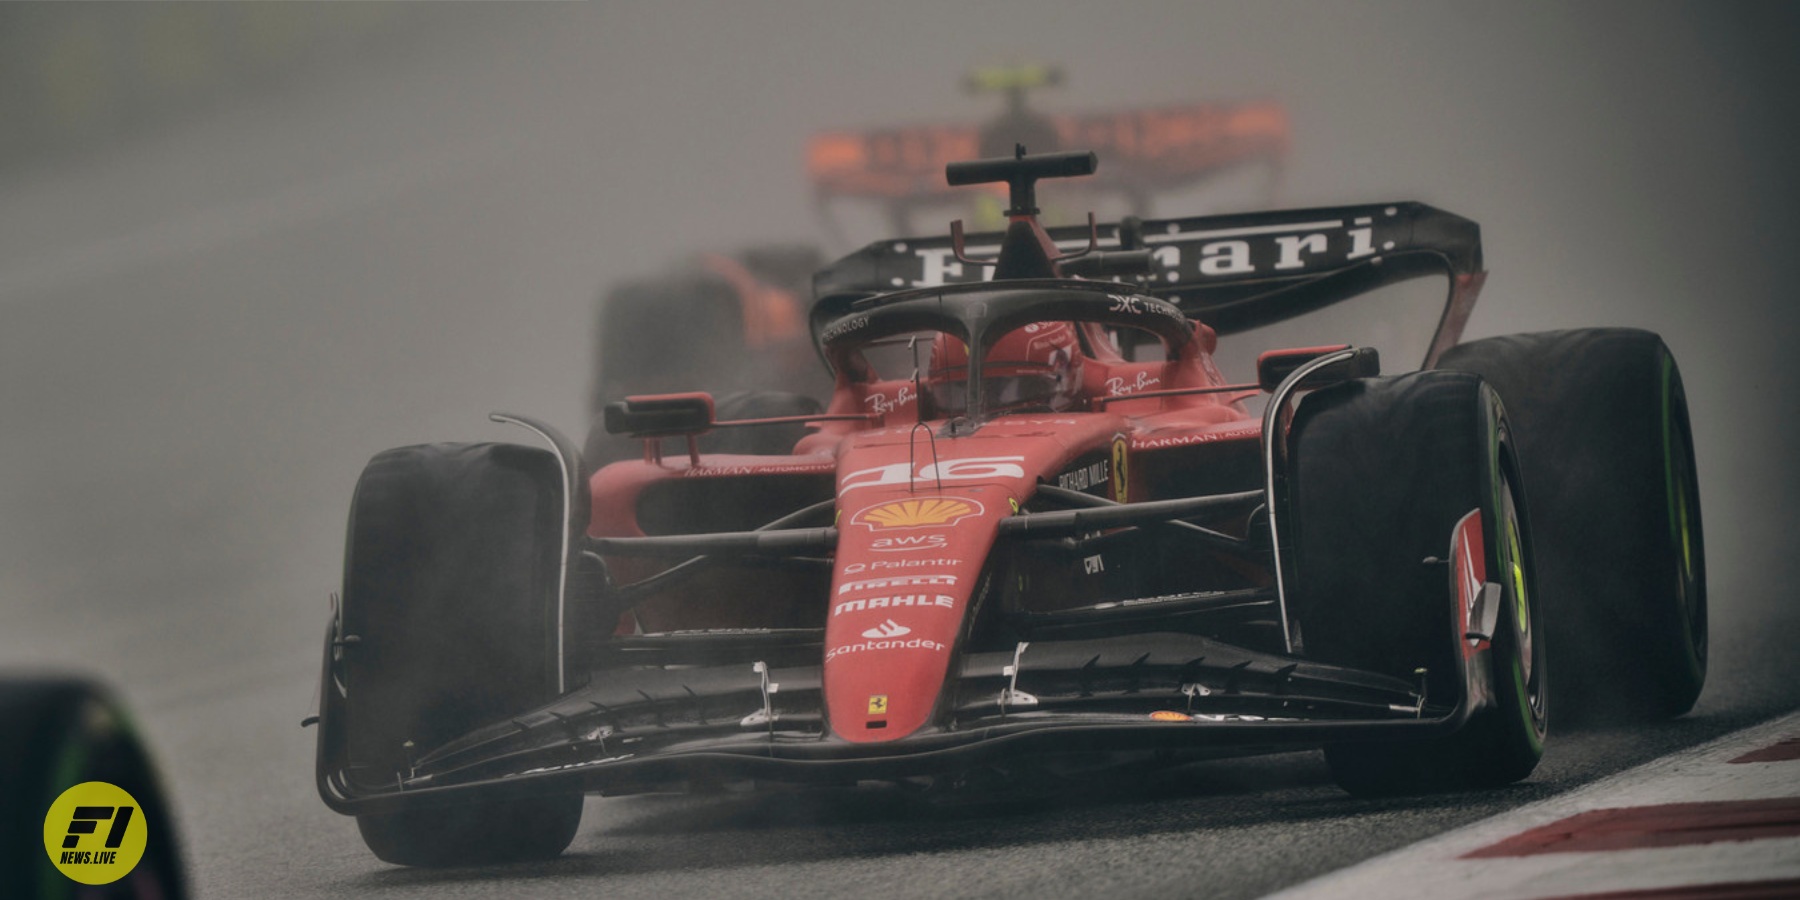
(95, 833)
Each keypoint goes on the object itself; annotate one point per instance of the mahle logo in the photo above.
(95, 833)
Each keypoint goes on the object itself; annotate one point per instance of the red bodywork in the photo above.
(918, 512)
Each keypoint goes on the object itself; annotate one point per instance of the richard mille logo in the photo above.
(888, 629)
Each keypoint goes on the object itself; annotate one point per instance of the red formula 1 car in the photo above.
(1036, 521)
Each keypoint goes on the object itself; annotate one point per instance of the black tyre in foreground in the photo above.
(1603, 438)
(57, 732)
(1383, 471)
(499, 831)
(450, 621)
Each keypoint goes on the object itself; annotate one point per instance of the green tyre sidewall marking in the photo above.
(1521, 601)
(1675, 487)
(1508, 553)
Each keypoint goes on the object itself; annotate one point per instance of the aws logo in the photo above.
(926, 512)
(906, 542)
(94, 834)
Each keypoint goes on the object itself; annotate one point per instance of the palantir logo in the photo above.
(888, 629)
(73, 833)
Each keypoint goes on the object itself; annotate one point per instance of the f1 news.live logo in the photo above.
(86, 820)
(96, 832)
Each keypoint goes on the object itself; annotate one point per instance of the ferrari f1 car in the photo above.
(1036, 521)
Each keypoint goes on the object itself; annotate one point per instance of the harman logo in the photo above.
(94, 834)
(887, 630)
(928, 512)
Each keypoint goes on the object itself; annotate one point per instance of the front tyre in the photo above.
(1388, 474)
(474, 834)
(451, 620)
(1605, 443)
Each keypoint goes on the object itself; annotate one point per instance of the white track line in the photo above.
(1433, 870)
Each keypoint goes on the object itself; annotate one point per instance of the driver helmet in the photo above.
(1034, 367)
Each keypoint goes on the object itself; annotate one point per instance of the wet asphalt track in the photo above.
(207, 329)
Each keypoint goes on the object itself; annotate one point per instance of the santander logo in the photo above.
(888, 629)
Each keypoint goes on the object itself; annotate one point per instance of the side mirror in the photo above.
(1273, 367)
(661, 415)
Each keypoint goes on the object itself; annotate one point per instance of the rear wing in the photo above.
(1145, 150)
(1232, 272)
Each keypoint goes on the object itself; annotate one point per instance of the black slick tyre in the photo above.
(1602, 429)
(475, 834)
(450, 621)
(1382, 472)
(57, 732)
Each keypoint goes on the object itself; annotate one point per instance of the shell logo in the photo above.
(929, 512)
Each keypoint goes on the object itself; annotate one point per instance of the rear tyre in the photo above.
(1383, 471)
(1605, 443)
(451, 621)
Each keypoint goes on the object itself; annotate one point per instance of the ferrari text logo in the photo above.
(1220, 253)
